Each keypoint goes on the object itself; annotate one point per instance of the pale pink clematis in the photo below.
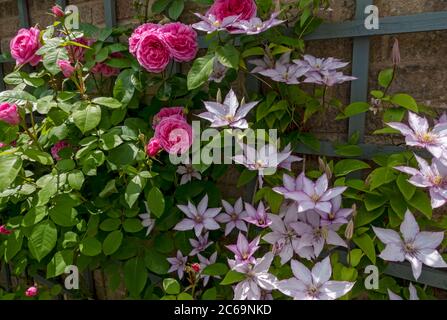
(315, 284)
(243, 250)
(419, 134)
(258, 279)
(229, 113)
(178, 263)
(337, 216)
(210, 23)
(290, 184)
(146, 220)
(204, 262)
(200, 244)
(314, 236)
(188, 172)
(255, 25)
(286, 72)
(414, 246)
(433, 177)
(198, 218)
(233, 216)
(316, 195)
(259, 217)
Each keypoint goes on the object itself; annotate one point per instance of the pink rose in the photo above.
(245, 9)
(66, 67)
(105, 70)
(181, 40)
(135, 38)
(25, 45)
(31, 292)
(177, 112)
(174, 135)
(4, 230)
(153, 147)
(9, 114)
(77, 53)
(57, 148)
(57, 11)
(152, 52)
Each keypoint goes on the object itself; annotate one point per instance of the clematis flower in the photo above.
(327, 78)
(265, 161)
(255, 25)
(188, 172)
(204, 262)
(243, 250)
(233, 216)
(413, 294)
(418, 134)
(146, 220)
(321, 64)
(313, 236)
(178, 264)
(257, 279)
(442, 119)
(287, 163)
(285, 71)
(315, 284)
(210, 23)
(262, 64)
(230, 113)
(414, 246)
(219, 72)
(200, 244)
(315, 195)
(198, 218)
(283, 237)
(259, 217)
(432, 176)
(337, 216)
(290, 184)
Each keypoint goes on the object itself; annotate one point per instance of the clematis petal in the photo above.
(292, 287)
(428, 240)
(403, 128)
(413, 292)
(185, 224)
(203, 205)
(409, 227)
(301, 272)
(210, 224)
(334, 239)
(263, 264)
(387, 236)
(336, 289)
(416, 265)
(322, 272)
(431, 257)
(332, 193)
(393, 296)
(321, 185)
(392, 252)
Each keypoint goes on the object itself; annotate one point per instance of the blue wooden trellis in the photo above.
(423, 22)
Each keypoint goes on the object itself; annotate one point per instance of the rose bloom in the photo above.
(136, 36)
(105, 70)
(153, 147)
(66, 67)
(245, 9)
(9, 114)
(174, 135)
(181, 40)
(57, 148)
(152, 52)
(24, 46)
(57, 11)
(177, 112)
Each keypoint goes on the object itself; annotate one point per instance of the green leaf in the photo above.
(406, 101)
(134, 189)
(171, 286)
(176, 9)
(406, 188)
(274, 200)
(232, 277)
(354, 109)
(385, 77)
(51, 58)
(135, 275)
(228, 56)
(10, 166)
(254, 51)
(156, 202)
(42, 239)
(108, 102)
(345, 167)
(34, 216)
(310, 141)
(160, 5)
(216, 269)
(57, 265)
(422, 202)
(88, 118)
(245, 177)
(355, 255)
(200, 71)
(156, 262)
(365, 243)
(63, 216)
(39, 156)
(381, 176)
(209, 294)
(90, 247)
(373, 202)
(132, 225)
(110, 224)
(112, 242)
(393, 115)
(76, 179)
(13, 244)
(17, 97)
(348, 150)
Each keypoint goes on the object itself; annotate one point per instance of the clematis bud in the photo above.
(349, 232)
(4, 231)
(195, 267)
(219, 96)
(395, 55)
(153, 147)
(31, 291)
(57, 11)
